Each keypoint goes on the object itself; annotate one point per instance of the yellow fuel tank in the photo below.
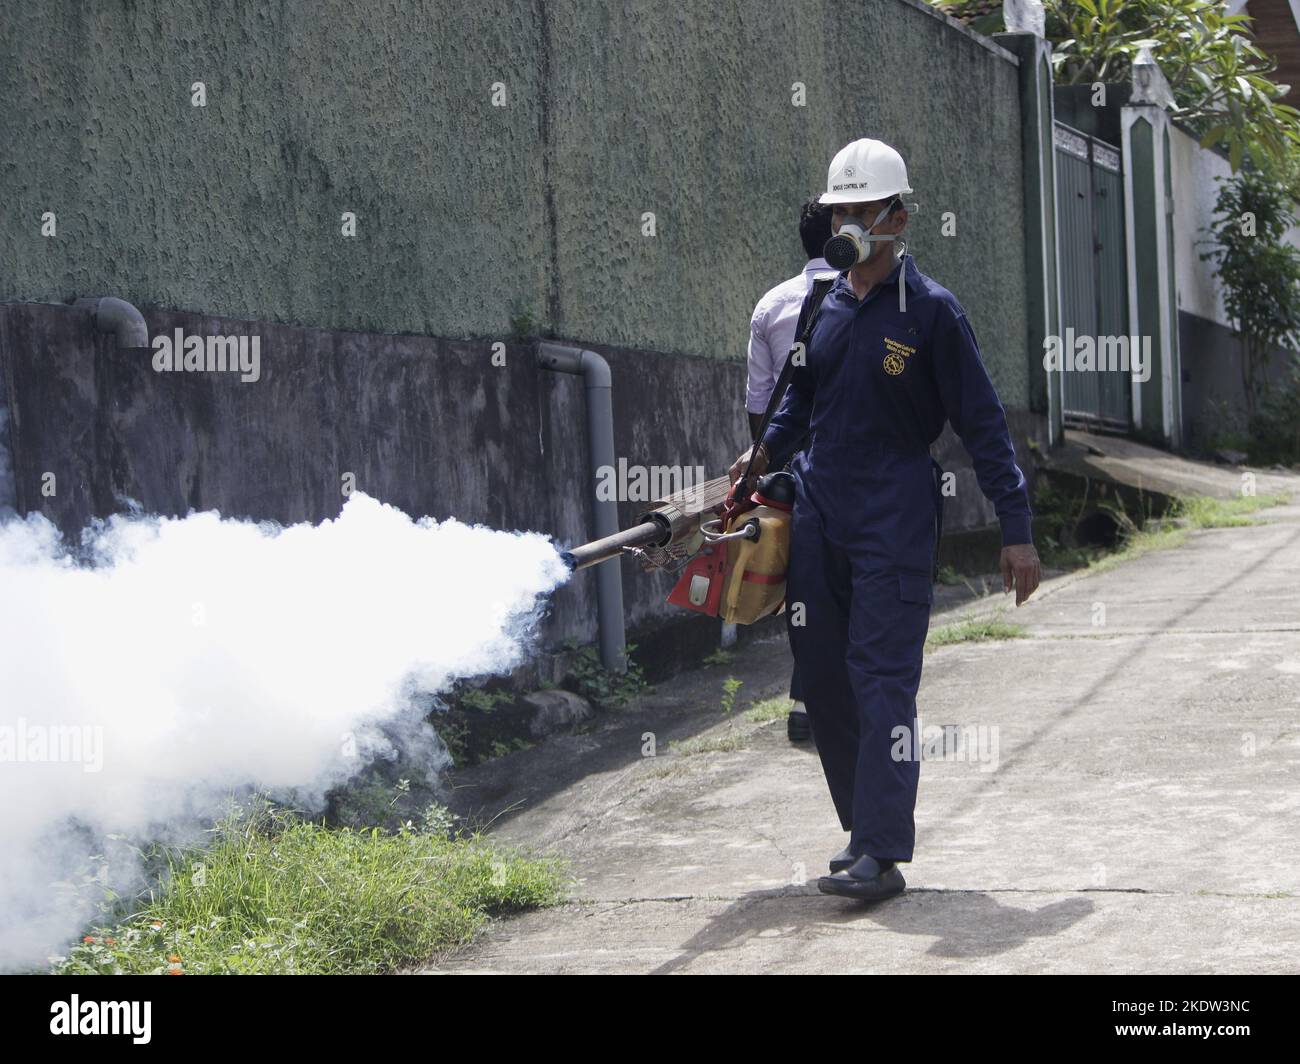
(754, 586)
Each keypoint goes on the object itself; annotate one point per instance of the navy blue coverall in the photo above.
(877, 385)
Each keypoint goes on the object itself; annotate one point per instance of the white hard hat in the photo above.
(863, 171)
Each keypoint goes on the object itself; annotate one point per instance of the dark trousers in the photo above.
(858, 659)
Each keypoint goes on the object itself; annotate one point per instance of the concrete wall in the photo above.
(1214, 398)
(1196, 172)
(428, 425)
(470, 213)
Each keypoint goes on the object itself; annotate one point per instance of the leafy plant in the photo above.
(523, 322)
(500, 748)
(975, 13)
(484, 701)
(730, 689)
(593, 681)
(1260, 273)
(455, 737)
(1056, 511)
(1218, 76)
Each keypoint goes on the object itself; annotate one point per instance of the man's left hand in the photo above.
(1020, 569)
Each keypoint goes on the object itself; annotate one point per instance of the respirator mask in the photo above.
(852, 244)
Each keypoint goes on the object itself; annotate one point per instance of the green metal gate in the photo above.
(1094, 282)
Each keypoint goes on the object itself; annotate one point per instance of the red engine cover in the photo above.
(710, 564)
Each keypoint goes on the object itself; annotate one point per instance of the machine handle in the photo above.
(749, 530)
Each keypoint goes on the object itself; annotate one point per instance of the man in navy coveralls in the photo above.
(891, 357)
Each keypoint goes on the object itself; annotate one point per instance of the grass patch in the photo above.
(1190, 512)
(1136, 544)
(275, 894)
(1058, 508)
(728, 742)
(768, 710)
(973, 630)
(1200, 511)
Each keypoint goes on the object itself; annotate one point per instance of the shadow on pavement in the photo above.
(964, 924)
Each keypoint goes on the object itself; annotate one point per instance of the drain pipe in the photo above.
(594, 371)
(112, 315)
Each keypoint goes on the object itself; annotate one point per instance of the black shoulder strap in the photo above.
(808, 315)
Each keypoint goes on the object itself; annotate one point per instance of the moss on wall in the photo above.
(471, 215)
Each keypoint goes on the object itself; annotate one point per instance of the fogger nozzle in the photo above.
(671, 520)
(654, 531)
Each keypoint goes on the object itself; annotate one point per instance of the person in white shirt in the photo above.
(771, 328)
(771, 335)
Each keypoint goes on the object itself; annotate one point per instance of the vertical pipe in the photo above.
(594, 371)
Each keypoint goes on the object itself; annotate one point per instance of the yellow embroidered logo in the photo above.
(896, 355)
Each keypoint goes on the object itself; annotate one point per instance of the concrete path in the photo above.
(1142, 813)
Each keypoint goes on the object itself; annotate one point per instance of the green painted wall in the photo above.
(469, 213)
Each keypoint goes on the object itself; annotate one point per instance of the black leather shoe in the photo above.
(864, 881)
(797, 727)
(842, 860)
